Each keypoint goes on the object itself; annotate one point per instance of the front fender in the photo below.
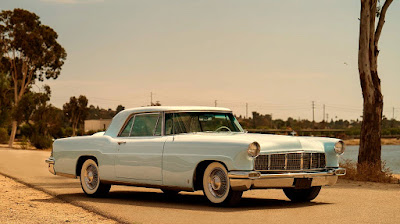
(180, 160)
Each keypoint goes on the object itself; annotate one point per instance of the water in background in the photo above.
(390, 154)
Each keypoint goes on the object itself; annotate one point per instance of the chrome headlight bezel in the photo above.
(339, 147)
(254, 149)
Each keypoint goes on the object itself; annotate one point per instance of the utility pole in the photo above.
(151, 98)
(327, 117)
(313, 120)
(393, 113)
(323, 119)
(247, 110)
(313, 107)
(215, 102)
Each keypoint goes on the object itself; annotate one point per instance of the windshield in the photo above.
(188, 122)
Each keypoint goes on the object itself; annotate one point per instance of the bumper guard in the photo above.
(51, 162)
(245, 180)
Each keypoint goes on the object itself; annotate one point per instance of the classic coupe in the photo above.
(196, 148)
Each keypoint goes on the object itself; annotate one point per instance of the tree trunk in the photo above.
(13, 133)
(370, 140)
(73, 129)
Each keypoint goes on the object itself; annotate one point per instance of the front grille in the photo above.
(290, 161)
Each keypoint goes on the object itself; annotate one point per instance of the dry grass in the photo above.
(384, 141)
(352, 141)
(367, 172)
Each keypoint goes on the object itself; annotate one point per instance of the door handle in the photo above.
(120, 143)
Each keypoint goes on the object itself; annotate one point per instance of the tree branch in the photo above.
(381, 20)
(30, 75)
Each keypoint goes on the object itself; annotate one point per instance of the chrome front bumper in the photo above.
(245, 180)
(51, 162)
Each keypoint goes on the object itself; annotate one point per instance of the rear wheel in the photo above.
(216, 186)
(90, 180)
(302, 195)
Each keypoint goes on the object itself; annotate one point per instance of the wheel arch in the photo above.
(199, 172)
(80, 162)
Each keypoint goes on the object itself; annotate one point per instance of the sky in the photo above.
(276, 56)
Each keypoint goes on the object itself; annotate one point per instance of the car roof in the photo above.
(174, 108)
(119, 119)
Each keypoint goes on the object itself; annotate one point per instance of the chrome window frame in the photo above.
(132, 116)
(160, 114)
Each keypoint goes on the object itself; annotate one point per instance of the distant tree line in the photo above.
(352, 128)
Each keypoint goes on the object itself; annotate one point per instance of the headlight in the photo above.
(339, 147)
(254, 149)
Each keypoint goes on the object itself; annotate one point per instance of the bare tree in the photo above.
(370, 32)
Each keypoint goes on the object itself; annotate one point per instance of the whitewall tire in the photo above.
(90, 180)
(216, 185)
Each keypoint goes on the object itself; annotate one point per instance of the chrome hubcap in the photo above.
(91, 177)
(218, 182)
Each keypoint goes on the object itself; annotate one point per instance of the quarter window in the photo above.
(127, 130)
(144, 125)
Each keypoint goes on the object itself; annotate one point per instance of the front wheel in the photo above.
(216, 185)
(90, 180)
(302, 195)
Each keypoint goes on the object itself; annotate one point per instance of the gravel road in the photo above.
(346, 202)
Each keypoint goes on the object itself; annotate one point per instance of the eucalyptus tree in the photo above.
(29, 51)
(372, 19)
(76, 110)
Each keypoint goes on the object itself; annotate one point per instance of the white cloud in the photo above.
(72, 1)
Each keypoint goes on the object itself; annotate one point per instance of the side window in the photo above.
(157, 132)
(178, 123)
(168, 123)
(144, 125)
(128, 127)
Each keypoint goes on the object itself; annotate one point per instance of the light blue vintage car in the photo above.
(196, 148)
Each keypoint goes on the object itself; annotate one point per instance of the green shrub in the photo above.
(25, 130)
(67, 132)
(24, 142)
(4, 136)
(41, 141)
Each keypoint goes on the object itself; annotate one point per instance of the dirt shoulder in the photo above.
(20, 146)
(21, 204)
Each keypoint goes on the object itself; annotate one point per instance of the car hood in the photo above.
(270, 143)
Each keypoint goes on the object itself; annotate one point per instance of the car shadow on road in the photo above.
(58, 185)
(182, 201)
